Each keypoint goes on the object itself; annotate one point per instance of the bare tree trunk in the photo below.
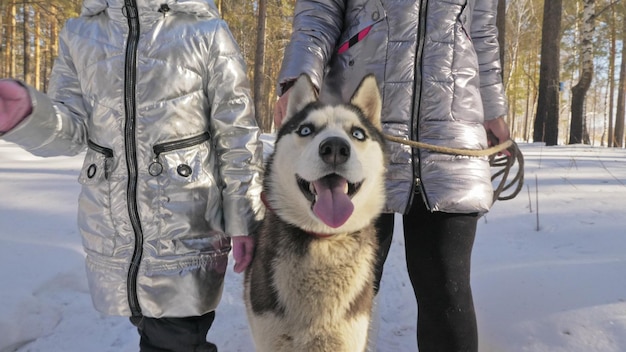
(527, 107)
(520, 11)
(11, 35)
(37, 56)
(590, 134)
(26, 42)
(3, 8)
(546, 127)
(579, 91)
(52, 47)
(621, 93)
(611, 90)
(259, 64)
(532, 67)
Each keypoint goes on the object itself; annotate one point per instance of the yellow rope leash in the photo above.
(505, 162)
(454, 151)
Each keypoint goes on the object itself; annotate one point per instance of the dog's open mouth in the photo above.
(330, 198)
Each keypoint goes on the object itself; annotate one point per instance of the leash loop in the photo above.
(497, 159)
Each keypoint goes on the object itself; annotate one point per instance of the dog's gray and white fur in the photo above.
(309, 287)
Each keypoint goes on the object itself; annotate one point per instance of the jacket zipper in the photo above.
(180, 144)
(417, 99)
(130, 149)
(156, 168)
(107, 152)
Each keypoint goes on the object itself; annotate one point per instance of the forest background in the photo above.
(564, 72)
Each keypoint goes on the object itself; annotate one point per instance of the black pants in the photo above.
(174, 334)
(438, 254)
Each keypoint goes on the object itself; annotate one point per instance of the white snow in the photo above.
(548, 270)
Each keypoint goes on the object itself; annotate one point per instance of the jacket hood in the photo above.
(201, 8)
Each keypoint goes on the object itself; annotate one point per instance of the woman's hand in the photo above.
(497, 132)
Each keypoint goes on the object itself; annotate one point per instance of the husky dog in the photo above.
(309, 287)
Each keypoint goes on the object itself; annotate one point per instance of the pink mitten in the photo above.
(14, 104)
(243, 247)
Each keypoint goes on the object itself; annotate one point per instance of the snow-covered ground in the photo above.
(549, 267)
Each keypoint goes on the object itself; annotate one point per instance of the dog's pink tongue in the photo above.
(333, 206)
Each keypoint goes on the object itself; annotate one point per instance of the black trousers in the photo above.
(174, 334)
(438, 254)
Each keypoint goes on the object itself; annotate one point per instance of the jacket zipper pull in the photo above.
(155, 168)
(130, 10)
(107, 168)
(164, 9)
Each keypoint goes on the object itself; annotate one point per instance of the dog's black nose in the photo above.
(334, 150)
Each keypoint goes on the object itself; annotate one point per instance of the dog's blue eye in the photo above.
(305, 130)
(358, 133)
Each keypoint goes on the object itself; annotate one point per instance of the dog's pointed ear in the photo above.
(367, 98)
(301, 94)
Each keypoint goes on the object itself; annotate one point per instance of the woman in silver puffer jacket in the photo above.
(437, 64)
(156, 92)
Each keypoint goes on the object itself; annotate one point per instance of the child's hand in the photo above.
(14, 104)
(243, 249)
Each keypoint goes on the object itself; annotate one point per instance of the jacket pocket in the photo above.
(188, 202)
(94, 216)
(361, 50)
(97, 164)
(362, 19)
(179, 159)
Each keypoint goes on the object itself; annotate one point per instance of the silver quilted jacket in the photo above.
(437, 63)
(161, 101)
